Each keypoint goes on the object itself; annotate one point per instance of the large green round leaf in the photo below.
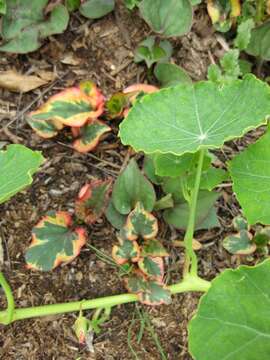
(233, 319)
(187, 117)
(170, 17)
(250, 172)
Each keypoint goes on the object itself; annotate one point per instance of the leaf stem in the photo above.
(190, 256)
(190, 283)
(7, 318)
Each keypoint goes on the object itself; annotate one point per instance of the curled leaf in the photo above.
(90, 135)
(54, 242)
(141, 223)
(92, 200)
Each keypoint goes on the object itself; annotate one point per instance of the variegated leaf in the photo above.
(152, 267)
(128, 250)
(154, 248)
(90, 135)
(240, 243)
(54, 241)
(93, 200)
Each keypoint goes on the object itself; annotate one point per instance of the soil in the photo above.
(102, 51)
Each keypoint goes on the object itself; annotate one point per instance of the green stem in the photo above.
(259, 11)
(7, 318)
(190, 256)
(190, 283)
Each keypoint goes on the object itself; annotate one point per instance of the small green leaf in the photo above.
(244, 34)
(90, 135)
(205, 213)
(239, 223)
(149, 170)
(3, 7)
(152, 267)
(170, 74)
(116, 219)
(95, 9)
(230, 65)
(153, 248)
(54, 242)
(186, 118)
(262, 237)
(17, 164)
(151, 52)
(173, 186)
(211, 178)
(141, 223)
(214, 73)
(259, 44)
(72, 5)
(128, 250)
(239, 244)
(232, 320)
(251, 180)
(165, 202)
(116, 105)
(92, 200)
(56, 23)
(132, 187)
(170, 17)
(131, 4)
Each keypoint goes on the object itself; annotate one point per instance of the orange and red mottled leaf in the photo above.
(93, 200)
(54, 241)
(72, 107)
(154, 248)
(90, 135)
(127, 251)
(141, 223)
(152, 267)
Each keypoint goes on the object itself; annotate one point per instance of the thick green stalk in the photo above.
(190, 256)
(190, 283)
(7, 318)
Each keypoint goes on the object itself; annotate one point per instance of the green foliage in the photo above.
(95, 9)
(170, 17)
(170, 74)
(244, 34)
(131, 4)
(72, 5)
(196, 116)
(251, 180)
(130, 188)
(54, 241)
(17, 164)
(231, 321)
(259, 44)
(240, 243)
(151, 52)
(3, 7)
(24, 25)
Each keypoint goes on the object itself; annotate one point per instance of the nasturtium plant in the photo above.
(24, 25)
(18, 164)
(170, 17)
(232, 321)
(54, 241)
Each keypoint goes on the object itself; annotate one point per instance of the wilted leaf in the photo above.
(14, 81)
(132, 187)
(232, 320)
(90, 135)
(186, 118)
(239, 244)
(17, 164)
(251, 180)
(205, 214)
(92, 200)
(54, 242)
(170, 17)
(170, 74)
(95, 9)
(141, 223)
(152, 267)
(154, 248)
(128, 250)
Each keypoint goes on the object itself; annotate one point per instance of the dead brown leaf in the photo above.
(14, 81)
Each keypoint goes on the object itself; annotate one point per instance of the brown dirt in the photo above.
(104, 52)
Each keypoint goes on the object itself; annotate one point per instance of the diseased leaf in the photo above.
(232, 320)
(95, 9)
(54, 242)
(17, 164)
(170, 17)
(93, 200)
(259, 44)
(154, 248)
(205, 213)
(141, 223)
(153, 268)
(128, 250)
(90, 135)
(186, 118)
(132, 187)
(239, 244)
(14, 81)
(250, 173)
(170, 74)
